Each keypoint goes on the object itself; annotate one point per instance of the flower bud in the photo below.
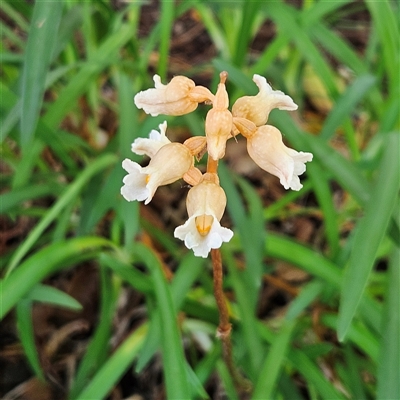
(219, 122)
(257, 108)
(269, 152)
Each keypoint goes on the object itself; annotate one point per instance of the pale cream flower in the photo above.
(168, 165)
(267, 149)
(180, 96)
(202, 232)
(150, 146)
(219, 122)
(257, 108)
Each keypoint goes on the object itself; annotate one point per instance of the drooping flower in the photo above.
(218, 122)
(168, 165)
(205, 205)
(180, 96)
(154, 143)
(266, 148)
(257, 108)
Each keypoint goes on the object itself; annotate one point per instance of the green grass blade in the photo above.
(167, 18)
(240, 283)
(138, 280)
(359, 334)
(253, 221)
(172, 352)
(27, 335)
(286, 18)
(51, 295)
(369, 233)
(41, 264)
(116, 365)
(214, 29)
(24, 171)
(64, 200)
(389, 360)
(41, 41)
(15, 15)
(307, 295)
(273, 364)
(249, 13)
(313, 375)
(319, 10)
(188, 271)
(103, 57)
(12, 199)
(387, 27)
(96, 352)
(323, 192)
(309, 260)
(346, 104)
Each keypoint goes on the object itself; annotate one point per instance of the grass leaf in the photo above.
(41, 41)
(43, 263)
(369, 233)
(389, 360)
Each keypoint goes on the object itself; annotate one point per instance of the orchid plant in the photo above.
(169, 162)
(206, 200)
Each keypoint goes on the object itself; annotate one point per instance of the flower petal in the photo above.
(266, 148)
(257, 108)
(134, 183)
(201, 245)
(150, 146)
(170, 99)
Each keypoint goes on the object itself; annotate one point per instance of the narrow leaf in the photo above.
(369, 233)
(52, 295)
(43, 263)
(389, 360)
(41, 41)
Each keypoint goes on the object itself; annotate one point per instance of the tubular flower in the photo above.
(219, 122)
(257, 108)
(202, 232)
(266, 148)
(180, 96)
(150, 146)
(168, 165)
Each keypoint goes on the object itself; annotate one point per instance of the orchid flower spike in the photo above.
(257, 108)
(205, 205)
(180, 96)
(168, 165)
(266, 148)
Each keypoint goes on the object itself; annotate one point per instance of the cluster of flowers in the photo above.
(170, 161)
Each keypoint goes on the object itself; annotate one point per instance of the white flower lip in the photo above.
(205, 199)
(150, 146)
(135, 185)
(201, 245)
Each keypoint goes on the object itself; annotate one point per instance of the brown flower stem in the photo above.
(224, 327)
(212, 165)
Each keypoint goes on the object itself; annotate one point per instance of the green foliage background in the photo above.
(54, 54)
